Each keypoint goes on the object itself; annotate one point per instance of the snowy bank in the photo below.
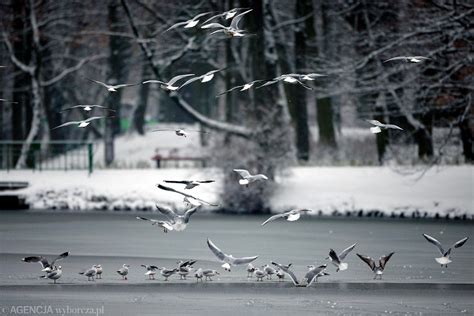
(326, 190)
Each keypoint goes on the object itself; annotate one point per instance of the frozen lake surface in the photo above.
(413, 282)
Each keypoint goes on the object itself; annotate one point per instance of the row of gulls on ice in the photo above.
(184, 268)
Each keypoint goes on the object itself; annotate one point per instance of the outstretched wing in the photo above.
(231, 89)
(99, 82)
(60, 257)
(213, 25)
(396, 58)
(273, 218)
(124, 85)
(435, 242)
(67, 124)
(179, 182)
(334, 257)
(42, 260)
(176, 78)
(244, 260)
(175, 26)
(217, 252)
(153, 81)
(288, 272)
(383, 261)
(346, 251)
(270, 82)
(190, 212)
(461, 242)
(207, 181)
(96, 118)
(375, 122)
(160, 186)
(370, 262)
(167, 212)
(191, 81)
(243, 173)
(235, 21)
(393, 126)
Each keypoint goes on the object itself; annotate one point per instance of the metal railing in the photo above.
(52, 155)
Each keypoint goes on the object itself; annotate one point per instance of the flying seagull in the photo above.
(175, 222)
(45, 264)
(226, 14)
(337, 259)
(445, 255)
(150, 271)
(90, 273)
(312, 275)
(247, 178)
(289, 78)
(228, 260)
(54, 274)
(188, 23)
(203, 78)
(378, 270)
(380, 126)
(189, 183)
(243, 87)
(87, 107)
(410, 59)
(123, 271)
(290, 216)
(82, 123)
(169, 86)
(179, 132)
(232, 30)
(162, 187)
(113, 88)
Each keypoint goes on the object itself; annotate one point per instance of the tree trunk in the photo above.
(424, 139)
(466, 132)
(327, 135)
(138, 121)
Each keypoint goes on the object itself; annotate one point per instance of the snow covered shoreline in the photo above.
(326, 190)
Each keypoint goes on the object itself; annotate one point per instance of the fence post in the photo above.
(90, 155)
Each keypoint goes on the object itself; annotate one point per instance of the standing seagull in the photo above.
(83, 123)
(232, 30)
(87, 107)
(99, 269)
(378, 270)
(209, 273)
(198, 274)
(169, 86)
(45, 264)
(90, 273)
(166, 273)
(189, 183)
(243, 87)
(54, 274)
(379, 126)
(248, 178)
(188, 23)
(150, 271)
(162, 187)
(410, 59)
(337, 259)
(123, 271)
(290, 216)
(113, 88)
(228, 260)
(250, 270)
(444, 259)
(184, 268)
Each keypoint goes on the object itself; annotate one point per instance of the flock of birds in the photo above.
(178, 222)
(185, 268)
(235, 15)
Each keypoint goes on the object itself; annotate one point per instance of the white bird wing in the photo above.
(190, 212)
(201, 15)
(67, 124)
(288, 272)
(99, 82)
(234, 88)
(243, 173)
(123, 85)
(375, 122)
(96, 118)
(167, 212)
(217, 252)
(213, 25)
(457, 244)
(191, 81)
(396, 58)
(273, 218)
(175, 26)
(393, 126)
(346, 251)
(370, 262)
(270, 82)
(435, 242)
(235, 21)
(244, 260)
(153, 81)
(176, 78)
(213, 17)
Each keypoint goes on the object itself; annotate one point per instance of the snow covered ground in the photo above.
(324, 189)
